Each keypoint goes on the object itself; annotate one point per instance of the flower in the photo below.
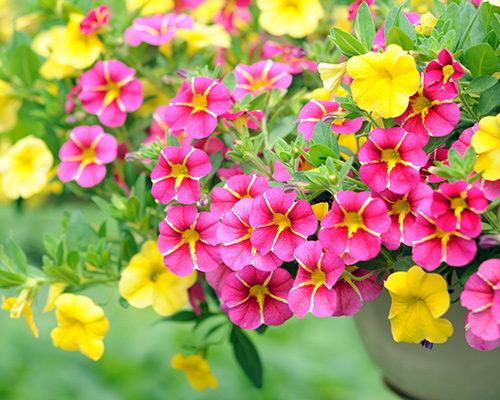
(312, 289)
(292, 55)
(81, 326)
(177, 174)
(427, 23)
(95, 20)
(188, 241)
(383, 82)
(24, 168)
(197, 371)
(444, 72)
(320, 210)
(331, 75)
(149, 7)
(257, 297)
(159, 127)
(109, 90)
(55, 290)
(354, 224)
(83, 156)
(486, 142)
(197, 106)
(259, 77)
(391, 159)
(280, 223)
(147, 282)
(297, 18)
(21, 305)
(419, 299)
(235, 233)
(9, 106)
(354, 7)
(201, 36)
(157, 29)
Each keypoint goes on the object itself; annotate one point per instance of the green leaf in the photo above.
(391, 19)
(348, 44)
(73, 259)
(397, 36)
(345, 169)
(404, 264)
(216, 160)
(51, 242)
(378, 262)
(481, 83)
(481, 60)
(6, 261)
(63, 274)
(281, 130)
(319, 153)
(9, 279)
(25, 64)
(364, 26)
(247, 356)
(78, 234)
(489, 99)
(182, 316)
(16, 254)
(321, 131)
(230, 81)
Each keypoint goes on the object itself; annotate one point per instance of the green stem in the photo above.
(372, 120)
(491, 219)
(356, 182)
(469, 28)
(387, 254)
(471, 113)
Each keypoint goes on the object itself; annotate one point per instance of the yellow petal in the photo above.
(54, 291)
(197, 371)
(320, 210)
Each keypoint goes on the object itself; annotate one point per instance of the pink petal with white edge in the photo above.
(489, 270)
(483, 325)
(86, 135)
(266, 262)
(246, 315)
(263, 238)
(176, 116)
(198, 164)
(207, 225)
(348, 301)
(112, 115)
(324, 302)
(428, 254)
(299, 300)
(207, 256)
(67, 170)
(286, 243)
(460, 251)
(188, 191)
(477, 294)
(363, 245)
(200, 124)
(180, 262)
(276, 312)
(107, 149)
(164, 190)
(219, 99)
(182, 218)
(131, 95)
(217, 277)
(91, 175)
(375, 216)
(302, 218)
(168, 238)
(334, 239)
(69, 150)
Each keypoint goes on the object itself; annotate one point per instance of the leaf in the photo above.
(6, 261)
(345, 169)
(247, 356)
(489, 99)
(78, 234)
(481, 60)
(281, 130)
(378, 262)
(73, 259)
(51, 242)
(348, 44)
(397, 36)
(16, 254)
(230, 81)
(364, 25)
(216, 160)
(481, 83)
(321, 131)
(63, 274)
(182, 316)
(404, 264)
(319, 153)
(9, 279)
(25, 64)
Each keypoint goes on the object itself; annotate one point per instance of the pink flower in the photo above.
(430, 112)
(313, 286)
(83, 155)
(109, 90)
(226, 173)
(281, 224)
(475, 341)
(188, 240)
(196, 297)
(159, 127)
(156, 29)
(353, 8)
(211, 145)
(403, 212)
(259, 77)
(354, 224)
(256, 297)
(292, 55)
(197, 106)
(95, 19)
(233, 13)
(481, 296)
(70, 105)
(440, 154)
(177, 174)
(456, 206)
(243, 117)
(444, 72)
(431, 245)
(236, 188)
(217, 277)
(391, 159)
(235, 232)
(315, 110)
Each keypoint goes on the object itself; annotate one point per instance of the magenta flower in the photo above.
(235, 232)
(430, 112)
(177, 174)
(440, 154)
(159, 127)
(197, 106)
(481, 296)
(315, 110)
(256, 297)
(281, 174)
(475, 341)
(226, 173)
(211, 145)
(217, 277)
(280, 223)
(444, 73)
(233, 12)
(292, 55)
(456, 206)
(243, 117)
(354, 224)
(391, 159)
(156, 29)
(353, 8)
(70, 105)
(83, 155)
(431, 245)
(188, 241)
(109, 90)
(236, 188)
(259, 77)
(403, 212)
(95, 19)
(313, 286)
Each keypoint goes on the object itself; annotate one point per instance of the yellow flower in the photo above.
(30, 22)
(427, 23)
(422, 6)
(495, 3)
(44, 44)
(81, 326)
(55, 291)
(21, 306)
(207, 10)
(320, 210)
(340, 15)
(204, 36)
(154, 97)
(7, 14)
(146, 281)
(150, 7)
(297, 18)
(331, 74)
(197, 371)
(24, 168)
(384, 82)
(9, 106)
(486, 142)
(349, 141)
(419, 299)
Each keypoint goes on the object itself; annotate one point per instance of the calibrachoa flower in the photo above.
(21, 306)
(256, 297)
(95, 20)
(177, 174)
(383, 82)
(188, 240)
(354, 7)
(280, 223)
(84, 154)
(217, 277)
(197, 371)
(159, 128)
(315, 110)
(331, 75)
(419, 299)
(147, 282)
(475, 341)
(110, 90)
(292, 55)
(243, 117)
(201, 36)
(427, 23)
(486, 142)
(9, 106)
(236, 188)
(81, 326)
(391, 159)
(444, 72)
(157, 29)
(197, 106)
(312, 289)
(440, 154)
(354, 224)
(235, 232)
(259, 77)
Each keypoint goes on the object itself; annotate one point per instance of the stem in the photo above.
(355, 181)
(260, 165)
(372, 120)
(491, 219)
(471, 113)
(387, 254)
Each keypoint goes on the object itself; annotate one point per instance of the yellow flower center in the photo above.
(155, 276)
(353, 221)
(444, 236)
(391, 156)
(88, 154)
(258, 84)
(180, 170)
(421, 105)
(318, 277)
(291, 5)
(113, 91)
(401, 207)
(190, 236)
(458, 204)
(282, 221)
(199, 101)
(260, 292)
(448, 71)
(250, 231)
(305, 166)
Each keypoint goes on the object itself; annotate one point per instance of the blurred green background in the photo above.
(303, 359)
